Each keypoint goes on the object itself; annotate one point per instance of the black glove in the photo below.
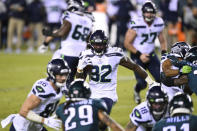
(47, 32)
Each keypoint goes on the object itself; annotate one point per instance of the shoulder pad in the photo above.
(89, 15)
(140, 114)
(100, 104)
(137, 23)
(159, 20)
(85, 53)
(41, 87)
(115, 50)
(65, 15)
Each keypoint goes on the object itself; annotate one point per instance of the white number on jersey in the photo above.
(84, 111)
(184, 127)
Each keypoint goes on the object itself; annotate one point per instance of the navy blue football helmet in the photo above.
(157, 100)
(179, 49)
(75, 5)
(98, 42)
(149, 7)
(57, 67)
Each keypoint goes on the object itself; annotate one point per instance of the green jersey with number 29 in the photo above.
(82, 115)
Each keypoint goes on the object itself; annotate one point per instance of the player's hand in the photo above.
(47, 32)
(42, 49)
(186, 69)
(53, 123)
(85, 61)
(144, 58)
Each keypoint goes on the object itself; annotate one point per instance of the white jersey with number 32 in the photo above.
(103, 79)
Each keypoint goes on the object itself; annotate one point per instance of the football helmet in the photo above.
(57, 67)
(75, 5)
(157, 100)
(181, 103)
(191, 55)
(149, 7)
(179, 49)
(79, 90)
(98, 42)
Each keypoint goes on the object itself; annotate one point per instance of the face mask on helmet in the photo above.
(57, 68)
(180, 49)
(75, 5)
(157, 101)
(191, 55)
(79, 90)
(149, 11)
(181, 103)
(98, 42)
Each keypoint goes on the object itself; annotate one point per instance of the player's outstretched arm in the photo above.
(109, 121)
(128, 63)
(130, 127)
(63, 31)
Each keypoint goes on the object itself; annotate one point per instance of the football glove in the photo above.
(8, 120)
(186, 69)
(53, 123)
(47, 32)
(85, 61)
(42, 49)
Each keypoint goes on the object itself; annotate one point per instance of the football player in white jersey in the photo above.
(171, 78)
(75, 29)
(139, 41)
(101, 62)
(146, 114)
(42, 100)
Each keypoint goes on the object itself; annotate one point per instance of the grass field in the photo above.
(19, 72)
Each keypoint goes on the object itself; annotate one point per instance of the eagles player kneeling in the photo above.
(181, 118)
(80, 113)
(146, 114)
(42, 100)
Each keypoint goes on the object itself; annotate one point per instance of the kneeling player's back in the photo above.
(82, 115)
(177, 123)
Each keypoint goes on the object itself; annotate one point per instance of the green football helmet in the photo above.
(79, 90)
(181, 103)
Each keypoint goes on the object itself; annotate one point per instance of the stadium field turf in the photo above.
(18, 72)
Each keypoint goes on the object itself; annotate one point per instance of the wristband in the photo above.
(149, 80)
(45, 43)
(34, 117)
(138, 54)
(163, 52)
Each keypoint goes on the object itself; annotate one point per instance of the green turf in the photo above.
(19, 72)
